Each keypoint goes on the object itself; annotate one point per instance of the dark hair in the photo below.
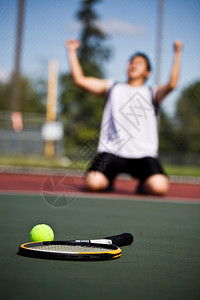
(145, 57)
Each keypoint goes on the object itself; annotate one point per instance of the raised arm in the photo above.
(164, 90)
(91, 84)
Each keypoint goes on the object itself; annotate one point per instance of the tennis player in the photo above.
(128, 141)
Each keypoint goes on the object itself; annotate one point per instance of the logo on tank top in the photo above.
(136, 110)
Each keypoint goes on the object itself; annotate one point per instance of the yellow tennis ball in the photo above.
(41, 232)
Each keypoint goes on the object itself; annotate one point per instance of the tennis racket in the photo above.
(101, 249)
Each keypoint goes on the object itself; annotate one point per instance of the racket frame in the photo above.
(112, 253)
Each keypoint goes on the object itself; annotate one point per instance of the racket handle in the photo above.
(123, 239)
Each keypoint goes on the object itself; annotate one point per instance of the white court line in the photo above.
(118, 197)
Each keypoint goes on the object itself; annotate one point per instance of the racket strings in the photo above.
(68, 248)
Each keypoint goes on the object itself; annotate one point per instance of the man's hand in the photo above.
(178, 46)
(72, 45)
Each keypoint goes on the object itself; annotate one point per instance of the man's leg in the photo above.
(102, 172)
(151, 175)
(96, 181)
(157, 184)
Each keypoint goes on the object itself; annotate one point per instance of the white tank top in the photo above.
(129, 123)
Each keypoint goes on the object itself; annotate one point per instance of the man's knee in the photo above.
(157, 184)
(96, 181)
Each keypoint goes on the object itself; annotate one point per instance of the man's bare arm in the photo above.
(91, 84)
(164, 90)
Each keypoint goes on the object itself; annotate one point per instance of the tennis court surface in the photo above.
(162, 263)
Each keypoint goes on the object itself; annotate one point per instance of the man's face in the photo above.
(137, 68)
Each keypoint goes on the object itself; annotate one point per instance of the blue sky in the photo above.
(131, 26)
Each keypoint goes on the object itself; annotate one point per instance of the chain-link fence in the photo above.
(29, 141)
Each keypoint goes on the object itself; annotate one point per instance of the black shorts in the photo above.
(111, 165)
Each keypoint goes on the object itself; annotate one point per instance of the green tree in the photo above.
(180, 136)
(83, 110)
(167, 135)
(188, 118)
(93, 52)
(172, 142)
(188, 107)
(30, 98)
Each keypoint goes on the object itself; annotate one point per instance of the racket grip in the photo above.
(123, 239)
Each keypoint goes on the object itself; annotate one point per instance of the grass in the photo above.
(64, 163)
(40, 162)
(183, 170)
(30, 162)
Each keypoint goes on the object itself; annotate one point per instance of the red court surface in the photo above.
(53, 184)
